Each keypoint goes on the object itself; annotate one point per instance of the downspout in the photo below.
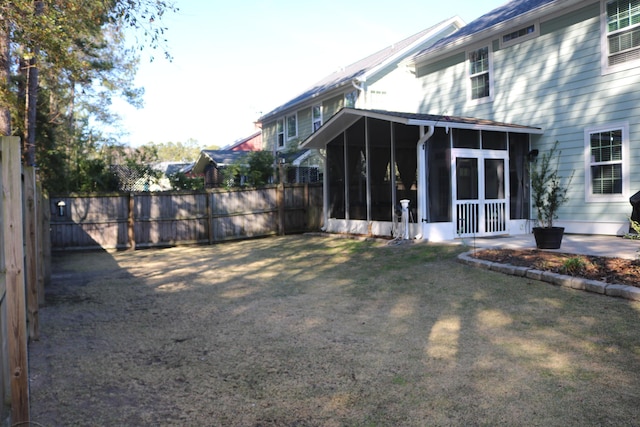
(360, 88)
(422, 176)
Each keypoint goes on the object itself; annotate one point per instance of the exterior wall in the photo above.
(304, 123)
(331, 106)
(396, 91)
(555, 82)
(251, 144)
(269, 136)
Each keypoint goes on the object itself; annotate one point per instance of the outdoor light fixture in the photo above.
(533, 154)
(62, 208)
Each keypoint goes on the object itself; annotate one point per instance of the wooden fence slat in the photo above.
(161, 219)
(14, 264)
(31, 245)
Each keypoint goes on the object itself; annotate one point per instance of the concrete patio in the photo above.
(611, 246)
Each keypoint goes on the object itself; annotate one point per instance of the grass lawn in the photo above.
(313, 331)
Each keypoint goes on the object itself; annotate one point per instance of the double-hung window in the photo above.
(622, 31)
(292, 126)
(316, 117)
(605, 163)
(280, 132)
(480, 73)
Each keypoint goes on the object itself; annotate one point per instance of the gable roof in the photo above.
(252, 142)
(496, 20)
(364, 68)
(218, 158)
(348, 116)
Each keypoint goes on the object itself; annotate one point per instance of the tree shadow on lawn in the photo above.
(320, 331)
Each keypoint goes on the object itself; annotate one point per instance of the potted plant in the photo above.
(548, 195)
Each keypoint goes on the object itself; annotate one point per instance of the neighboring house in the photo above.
(168, 169)
(376, 81)
(210, 164)
(491, 95)
(251, 143)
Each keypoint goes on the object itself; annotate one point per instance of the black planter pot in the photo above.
(548, 238)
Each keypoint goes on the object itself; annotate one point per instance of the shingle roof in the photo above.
(503, 13)
(357, 69)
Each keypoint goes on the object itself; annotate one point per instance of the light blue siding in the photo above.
(554, 82)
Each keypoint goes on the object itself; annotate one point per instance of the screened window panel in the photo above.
(622, 14)
(479, 61)
(606, 146)
(620, 42)
(494, 140)
(480, 86)
(606, 179)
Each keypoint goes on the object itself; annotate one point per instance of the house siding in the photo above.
(304, 123)
(269, 136)
(553, 81)
(331, 106)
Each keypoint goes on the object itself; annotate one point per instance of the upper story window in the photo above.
(480, 73)
(280, 132)
(350, 99)
(316, 117)
(622, 31)
(292, 126)
(605, 163)
(521, 34)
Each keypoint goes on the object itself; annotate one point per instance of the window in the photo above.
(622, 31)
(292, 126)
(605, 163)
(350, 99)
(316, 117)
(280, 132)
(521, 34)
(479, 73)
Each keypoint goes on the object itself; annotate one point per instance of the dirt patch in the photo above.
(299, 331)
(605, 269)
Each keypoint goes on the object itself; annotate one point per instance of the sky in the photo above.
(235, 60)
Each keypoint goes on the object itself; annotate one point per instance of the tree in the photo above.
(67, 40)
(255, 169)
(187, 151)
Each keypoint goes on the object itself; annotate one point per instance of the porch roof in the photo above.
(348, 116)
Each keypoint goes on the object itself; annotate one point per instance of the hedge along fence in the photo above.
(136, 220)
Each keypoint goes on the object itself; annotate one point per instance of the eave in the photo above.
(348, 116)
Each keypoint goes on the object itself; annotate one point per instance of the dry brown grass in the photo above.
(301, 331)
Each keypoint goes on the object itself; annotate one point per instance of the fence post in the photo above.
(210, 215)
(131, 222)
(14, 264)
(31, 245)
(44, 245)
(280, 199)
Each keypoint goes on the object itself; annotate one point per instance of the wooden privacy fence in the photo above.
(129, 221)
(24, 267)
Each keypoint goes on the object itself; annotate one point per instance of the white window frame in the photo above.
(280, 133)
(470, 76)
(291, 133)
(588, 163)
(315, 119)
(604, 44)
(522, 38)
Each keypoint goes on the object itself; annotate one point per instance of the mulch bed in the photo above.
(605, 269)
